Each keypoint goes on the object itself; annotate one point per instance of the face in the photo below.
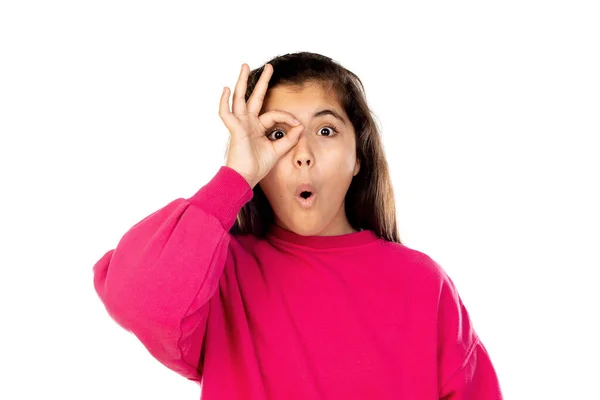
(325, 157)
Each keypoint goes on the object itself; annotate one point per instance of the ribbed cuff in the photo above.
(223, 196)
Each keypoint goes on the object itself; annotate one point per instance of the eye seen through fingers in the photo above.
(325, 131)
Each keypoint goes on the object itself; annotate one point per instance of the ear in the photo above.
(356, 167)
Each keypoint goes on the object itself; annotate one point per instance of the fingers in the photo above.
(258, 94)
(228, 118)
(284, 144)
(270, 118)
(239, 99)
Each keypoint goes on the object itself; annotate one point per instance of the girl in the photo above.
(284, 276)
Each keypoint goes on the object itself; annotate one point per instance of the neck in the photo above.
(281, 235)
(339, 225)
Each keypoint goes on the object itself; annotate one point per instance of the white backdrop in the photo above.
(490, 114)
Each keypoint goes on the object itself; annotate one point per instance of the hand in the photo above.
(250, 152)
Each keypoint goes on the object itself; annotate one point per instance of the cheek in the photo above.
(341, 161)
(337, 177)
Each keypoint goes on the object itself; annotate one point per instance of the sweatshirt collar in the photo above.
(322, 242)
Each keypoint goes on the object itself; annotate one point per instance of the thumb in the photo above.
(284, 144)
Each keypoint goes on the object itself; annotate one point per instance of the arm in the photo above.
(465, 369)
(158, 280)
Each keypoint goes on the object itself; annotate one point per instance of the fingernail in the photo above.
(295, 122)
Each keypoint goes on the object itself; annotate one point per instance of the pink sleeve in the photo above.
(465, 369)
(158, 280)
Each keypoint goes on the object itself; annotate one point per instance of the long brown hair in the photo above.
(369, 202)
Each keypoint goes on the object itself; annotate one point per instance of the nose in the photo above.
(303, 156)
(303, 161)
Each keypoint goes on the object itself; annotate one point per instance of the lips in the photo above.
(306, 194)
(304, 189)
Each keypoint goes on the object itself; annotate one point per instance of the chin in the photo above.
(305, 227)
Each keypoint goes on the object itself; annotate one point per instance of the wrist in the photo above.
(249, 179)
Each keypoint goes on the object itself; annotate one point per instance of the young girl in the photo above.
(284, 276)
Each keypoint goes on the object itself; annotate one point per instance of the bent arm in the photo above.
(159, 279)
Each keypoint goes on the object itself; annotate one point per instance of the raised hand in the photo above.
(250, 152)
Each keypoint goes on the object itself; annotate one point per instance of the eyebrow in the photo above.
(329, 112)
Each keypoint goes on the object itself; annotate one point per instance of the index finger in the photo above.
(258, 94)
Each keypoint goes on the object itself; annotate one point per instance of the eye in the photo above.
(279, 133)
(279, 136)
(328, 128)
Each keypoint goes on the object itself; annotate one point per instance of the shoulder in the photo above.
(413, 263)
(251, 245)
(430, 281)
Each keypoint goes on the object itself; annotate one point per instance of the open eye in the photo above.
(328, 128)
(279, 136)
(279, 133)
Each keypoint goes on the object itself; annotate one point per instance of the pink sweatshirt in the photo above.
(290, 316)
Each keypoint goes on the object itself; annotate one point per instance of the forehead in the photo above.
(301, 99)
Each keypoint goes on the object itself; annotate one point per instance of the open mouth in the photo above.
(306, 194)
(306, 199)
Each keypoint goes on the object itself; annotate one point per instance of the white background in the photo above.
(490, 115)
